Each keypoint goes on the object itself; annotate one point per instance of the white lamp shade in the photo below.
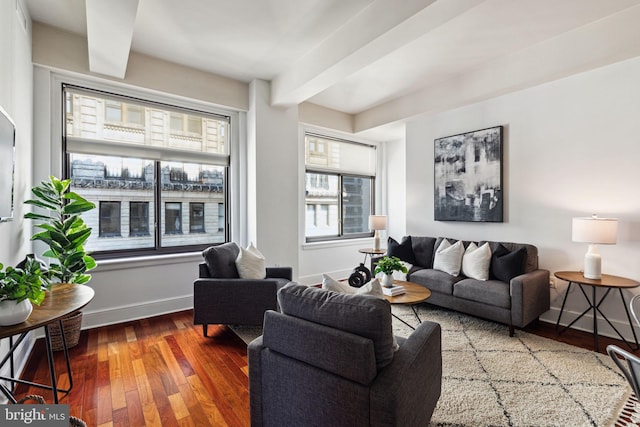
(377, 222)
(602, 231)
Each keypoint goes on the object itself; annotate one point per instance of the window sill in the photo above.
(146, 261)
(359, 242)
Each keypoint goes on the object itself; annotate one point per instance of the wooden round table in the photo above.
(414, 294)
(61, 300)
(607, 282)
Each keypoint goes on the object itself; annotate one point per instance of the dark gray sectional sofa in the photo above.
(516, 293)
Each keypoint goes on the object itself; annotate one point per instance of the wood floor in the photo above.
(162, 372)
(152, 372)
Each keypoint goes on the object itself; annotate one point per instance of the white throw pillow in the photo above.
(251, 263)
(476, 261)
(449, 257)
(371, 288)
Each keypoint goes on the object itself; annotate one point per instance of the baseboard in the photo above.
(125, 313)
(585, 324)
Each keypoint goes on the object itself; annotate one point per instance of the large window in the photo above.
(157, 172)
(339, 188)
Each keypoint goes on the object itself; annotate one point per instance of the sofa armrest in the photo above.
(417, 365)
(280, 273)
(530, 297)
(203, 271)
(254, 361)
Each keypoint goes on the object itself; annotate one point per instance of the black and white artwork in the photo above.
(468, 176)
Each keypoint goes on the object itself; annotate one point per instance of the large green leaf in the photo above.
(32, 215)
(77, 207)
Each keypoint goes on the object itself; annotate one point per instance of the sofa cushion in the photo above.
(476, 261)
(448, 257)
(491, 292)
(402, 250)
(373, 288)
(221, 260)
(363, 315)
(434, 280)
(506, 265)
(423, 250)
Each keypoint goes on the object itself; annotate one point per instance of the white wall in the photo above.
(272, 169)
(16, 99)
(571, 149)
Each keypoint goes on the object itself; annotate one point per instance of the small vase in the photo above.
(12, 313)
(387, 280)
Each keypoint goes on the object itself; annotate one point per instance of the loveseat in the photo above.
(515, 292)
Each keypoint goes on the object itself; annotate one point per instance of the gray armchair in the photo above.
(220, 296)
(328, 360)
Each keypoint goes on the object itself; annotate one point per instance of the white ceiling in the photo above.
(383, 61)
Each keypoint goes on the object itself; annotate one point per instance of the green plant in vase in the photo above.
(388, 265)
(19, 289)
(66, 234)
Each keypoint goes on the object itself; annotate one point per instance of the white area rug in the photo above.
(491, 379)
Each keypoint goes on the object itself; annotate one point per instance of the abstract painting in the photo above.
(468, 176)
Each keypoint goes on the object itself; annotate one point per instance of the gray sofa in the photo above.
(516, 300)
(327, 360)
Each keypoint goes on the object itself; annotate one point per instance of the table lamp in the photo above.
(377, 223)
(594, 231)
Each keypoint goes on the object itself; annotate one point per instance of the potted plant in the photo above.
(388, 265)
(19, 289)
(65, 233)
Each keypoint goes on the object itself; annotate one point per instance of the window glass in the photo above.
(322, 199)
(109, 219)
(173, 218)
(200, 189)
(339, 188)
(196, 217)
(138, 219)
(131, 180)
(356, 202)
(116, 156)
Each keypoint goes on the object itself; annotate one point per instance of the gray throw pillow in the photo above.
(363, 315)
(221, 260)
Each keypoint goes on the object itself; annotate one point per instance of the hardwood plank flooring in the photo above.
(151, 372)
(162, 372)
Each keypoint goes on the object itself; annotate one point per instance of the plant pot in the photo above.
(387, 280)
(72, 325)
(12, 312)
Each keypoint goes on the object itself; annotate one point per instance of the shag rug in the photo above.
(491, 379)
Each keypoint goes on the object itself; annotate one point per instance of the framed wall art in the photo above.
(468, 176)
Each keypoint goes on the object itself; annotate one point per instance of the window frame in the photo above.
(318, 170)
(234, 119)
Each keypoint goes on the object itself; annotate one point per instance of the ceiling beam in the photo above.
(377, 31)
(110, 25)
(601, 43)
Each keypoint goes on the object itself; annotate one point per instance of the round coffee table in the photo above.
(414, 294)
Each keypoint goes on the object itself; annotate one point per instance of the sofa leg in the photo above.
(204, 329)
(511, 330)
